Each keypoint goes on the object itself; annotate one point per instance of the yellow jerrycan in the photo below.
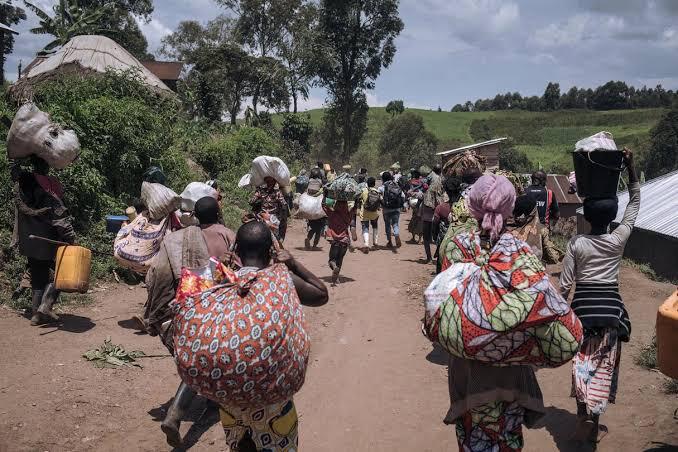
(73, 265)
(667, 337)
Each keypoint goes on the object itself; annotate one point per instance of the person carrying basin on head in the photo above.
(592, 263)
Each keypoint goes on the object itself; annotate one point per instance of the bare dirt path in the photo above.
(375, 383)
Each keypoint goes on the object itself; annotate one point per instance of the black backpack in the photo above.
(393, 196)
(373, 202)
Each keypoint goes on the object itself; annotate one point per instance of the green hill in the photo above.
(546, 137)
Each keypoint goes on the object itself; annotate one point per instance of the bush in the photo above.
(511, 159)
(407, 140)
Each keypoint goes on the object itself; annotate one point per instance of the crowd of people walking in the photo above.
(488, 236)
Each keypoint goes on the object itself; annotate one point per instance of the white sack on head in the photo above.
(160, 200)
(599, 141)
(265, 166)
(33, 133)
(245, 181)
(193, 193)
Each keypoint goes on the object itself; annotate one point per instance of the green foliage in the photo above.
(395, 107)
(511, 159)
(70, 19)
(295, 132)
(405, 139)
(664, 138)
(551, 97)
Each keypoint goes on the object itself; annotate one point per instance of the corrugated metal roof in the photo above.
(658, 205)
(472, 146)
(560, 186)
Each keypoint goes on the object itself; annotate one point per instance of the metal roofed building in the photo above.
(655, 236)
(488, 149)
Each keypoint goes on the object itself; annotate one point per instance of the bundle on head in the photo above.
(468, 159)
(518, 180)
(491, 201)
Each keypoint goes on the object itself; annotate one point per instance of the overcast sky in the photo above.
(455, 50)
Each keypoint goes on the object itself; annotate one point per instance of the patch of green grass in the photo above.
(546, 137)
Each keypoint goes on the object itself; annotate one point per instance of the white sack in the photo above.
(310, 207)
(265, 166)
(193, 193)
(160, 200)
(33, 133)
(599, 141)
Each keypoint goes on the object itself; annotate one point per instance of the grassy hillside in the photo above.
(546, 137)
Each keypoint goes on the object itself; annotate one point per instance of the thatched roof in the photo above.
(81, 55)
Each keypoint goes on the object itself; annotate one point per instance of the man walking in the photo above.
(549, 213)
(393, 199)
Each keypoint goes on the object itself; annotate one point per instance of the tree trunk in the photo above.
(3, 19)
(234, 115)
(255, 99)
(294, 99)
(347, 126)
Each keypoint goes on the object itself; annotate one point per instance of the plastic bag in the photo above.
(33, 133)
(600, 141)
(265, 166)
(311, 207)
(193, 193)
(160, 200)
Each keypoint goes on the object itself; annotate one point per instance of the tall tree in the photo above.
(296, 51)
(356, 40)
(9, 15)
(70, 20)
(261, 26)
(552, 96)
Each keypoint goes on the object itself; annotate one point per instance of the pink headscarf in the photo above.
(491, 201)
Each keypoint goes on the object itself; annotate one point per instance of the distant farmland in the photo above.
(546, 137)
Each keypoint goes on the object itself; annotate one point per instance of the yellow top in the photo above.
(366, 215)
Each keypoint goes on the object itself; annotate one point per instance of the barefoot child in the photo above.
(592, 263)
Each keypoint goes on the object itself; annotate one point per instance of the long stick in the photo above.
(56, 242)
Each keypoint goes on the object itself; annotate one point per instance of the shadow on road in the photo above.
(662, 447)
(342, 279)
(561, 425)
(437, 356)
(310, 250)
(202, 414)
(70, 323)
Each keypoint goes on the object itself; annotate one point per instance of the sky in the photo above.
(451, 51)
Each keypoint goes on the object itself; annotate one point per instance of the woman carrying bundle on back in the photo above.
(494, 309)
(592, 263)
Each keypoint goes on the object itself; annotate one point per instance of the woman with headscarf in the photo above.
(592, 263)
(499, 289)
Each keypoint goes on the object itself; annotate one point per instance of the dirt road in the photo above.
(374, 384)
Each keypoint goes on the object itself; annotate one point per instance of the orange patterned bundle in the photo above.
(194, 281)
(243, 344)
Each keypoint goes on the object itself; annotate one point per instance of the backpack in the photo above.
(373, 202)
(243, 343)
(393, 196)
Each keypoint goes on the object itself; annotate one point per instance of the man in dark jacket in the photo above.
(547, 205)
(40, 212)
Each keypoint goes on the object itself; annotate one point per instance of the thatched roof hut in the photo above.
(83, 55)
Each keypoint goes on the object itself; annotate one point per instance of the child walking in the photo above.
(338, 224)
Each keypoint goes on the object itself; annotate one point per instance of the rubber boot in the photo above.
(177, 410)
(48, 299)
(375, 239)
(37, 299)
(366, 241)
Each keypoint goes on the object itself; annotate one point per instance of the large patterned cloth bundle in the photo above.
(343, 188)
(243, 344)
(498, 306)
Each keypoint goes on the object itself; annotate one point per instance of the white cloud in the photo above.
(670, 38)
(578, 28)
(500, 15)
(312, 103)
(154, 32)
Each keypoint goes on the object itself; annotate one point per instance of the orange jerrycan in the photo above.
(73, 265)
(667, 337)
